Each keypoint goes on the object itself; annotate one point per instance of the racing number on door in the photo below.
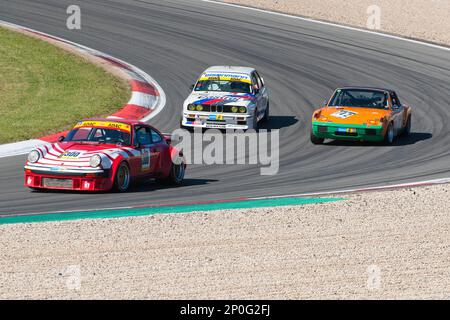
(145, 156)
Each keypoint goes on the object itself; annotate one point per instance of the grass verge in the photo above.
(44, 89)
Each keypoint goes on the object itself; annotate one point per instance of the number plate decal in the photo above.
(145, 159)
(343, 114)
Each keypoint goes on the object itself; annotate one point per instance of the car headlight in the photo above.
(234, 109)
(199, 107)
(242, 109)
(95, 161)
(191, 107)
(34, 156)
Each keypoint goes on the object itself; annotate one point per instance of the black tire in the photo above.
(316, 140)
(255, 120)
(389, 135)
(122, 179)
(176, 176)
(266, 114)
(407, 130)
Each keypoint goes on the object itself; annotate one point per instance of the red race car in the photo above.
(105, 154)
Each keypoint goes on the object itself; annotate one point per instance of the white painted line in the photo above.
(63, 211)
(143, 100)
(436, 46)
(18, 148)
(357, 190)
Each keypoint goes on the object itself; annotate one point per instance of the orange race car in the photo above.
(361, 114)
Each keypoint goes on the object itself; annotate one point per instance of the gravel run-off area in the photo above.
(391, 244)
(420, 19)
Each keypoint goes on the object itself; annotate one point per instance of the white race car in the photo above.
(227, 97)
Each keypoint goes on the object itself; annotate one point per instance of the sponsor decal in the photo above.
(215, 117)
(222, 100)
(55, 169)
(226, 77)
(344, 114)
(145, 159)
(347, 130)
(70, 155)
(104, 124)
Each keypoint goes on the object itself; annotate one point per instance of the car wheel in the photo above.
(123, 178)
(266, 114)
(389, 136)
(316, 140)
(407, 129)
(176, 175)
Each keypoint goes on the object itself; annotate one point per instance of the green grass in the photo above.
(44, 89)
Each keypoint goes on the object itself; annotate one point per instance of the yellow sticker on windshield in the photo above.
(104, 124)
(225, 77)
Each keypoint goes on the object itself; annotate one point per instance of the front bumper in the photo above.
(91, 180)
(211, 120)
(327, 130)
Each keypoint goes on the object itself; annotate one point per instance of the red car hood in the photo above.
(77, 155)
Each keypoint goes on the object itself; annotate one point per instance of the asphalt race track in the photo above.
(302, 63)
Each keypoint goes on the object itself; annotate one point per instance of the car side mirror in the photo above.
(138, 145)
(256, 90)
(61, 139)
(324, 103)
(192, 86)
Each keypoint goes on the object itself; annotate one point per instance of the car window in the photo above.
(260, 82)
(100, 135)
(222, 86)
(359, 98)
(143, 136)
(255, 81)
(81, 134)
(156, 137)
(395, 100)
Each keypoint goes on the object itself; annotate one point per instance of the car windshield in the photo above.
(360, 98)
(223, 86)
(99, 135)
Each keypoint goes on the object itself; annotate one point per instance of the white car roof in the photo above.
(233, 69)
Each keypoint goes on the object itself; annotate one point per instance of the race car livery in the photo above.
(104, 154)
(361, 114)
(227, 98)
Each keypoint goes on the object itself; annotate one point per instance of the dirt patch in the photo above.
(392, 244)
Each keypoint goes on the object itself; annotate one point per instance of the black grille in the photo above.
(346, 134)
(322, 129)
(216, 121)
